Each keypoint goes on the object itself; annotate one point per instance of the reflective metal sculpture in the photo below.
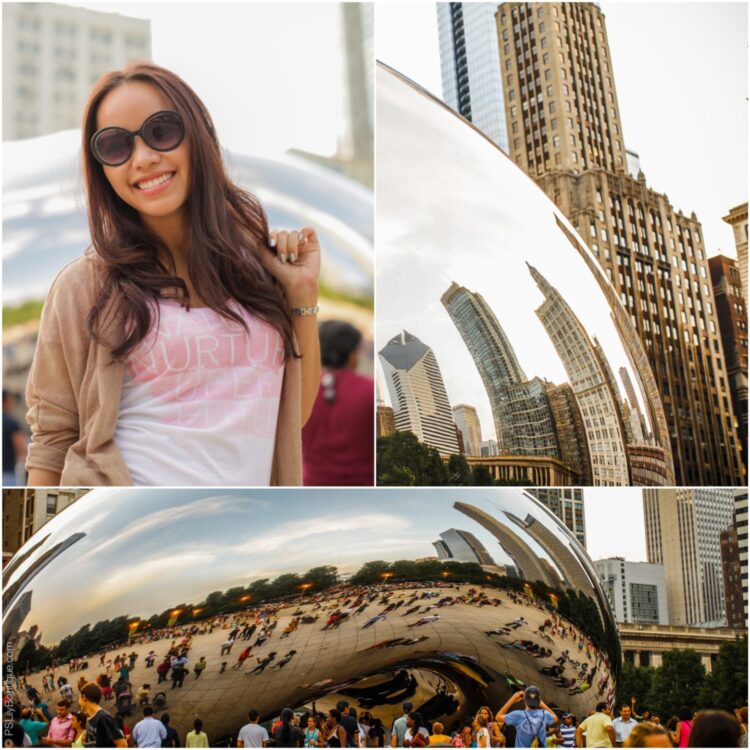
(45, 227)
(477, 264)
(452, 599)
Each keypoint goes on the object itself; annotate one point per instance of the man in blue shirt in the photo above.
(530, 722)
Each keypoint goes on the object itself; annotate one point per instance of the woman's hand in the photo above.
(293, 258)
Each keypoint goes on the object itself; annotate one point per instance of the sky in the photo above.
(614, 523)
(271, 74)
(163, 547)
(681, 78)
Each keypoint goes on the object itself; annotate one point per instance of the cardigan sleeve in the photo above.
(57, 371)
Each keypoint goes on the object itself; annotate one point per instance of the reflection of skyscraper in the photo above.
(523, 420)
(567, 505)
(589, 383)
(560, 551)
(467, 421)
(632, 400)
(420, 402)
(683, 528)
(462, 546)
(565, 131)
(571, 431)
(470, 66)
(526, 561)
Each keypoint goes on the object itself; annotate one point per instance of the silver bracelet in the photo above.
(301, 311)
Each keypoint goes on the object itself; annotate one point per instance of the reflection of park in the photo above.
(447, 647)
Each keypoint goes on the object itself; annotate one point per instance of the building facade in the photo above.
(731, 309)
(470, 66)
(571, 431)
(737, 219)
(417, 391)
(520, 409)
(564, 130)
(530, 471)
(740, 523)
(26, 510)
(462, 546)
(567, 505)
(637, 591)
(467, 421)
(52, 55)
(732, 575)
(597, 402)
(683, 530)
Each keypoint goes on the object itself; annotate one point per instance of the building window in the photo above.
(51, 504)
(544, 42)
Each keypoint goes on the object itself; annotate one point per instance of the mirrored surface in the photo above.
(477, 264)
(450, 598)
(45, 226)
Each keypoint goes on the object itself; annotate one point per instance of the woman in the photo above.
(334, 733)
(78, 722)
(187, 324)
(497, 738)
(648, 734)
(481, 732)
(681, 735)
(313, 736)
(286, 733)
(196, 738)
(417, 734)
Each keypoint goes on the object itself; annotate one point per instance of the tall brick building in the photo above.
(564, 129)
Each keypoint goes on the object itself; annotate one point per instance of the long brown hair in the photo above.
(227, 230)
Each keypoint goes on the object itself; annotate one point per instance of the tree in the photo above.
(677, 682)
(634, 681)
(402, 459)
(726, 686)
(459, 472)
(481, 477)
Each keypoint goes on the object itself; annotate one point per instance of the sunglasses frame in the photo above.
(133, 134)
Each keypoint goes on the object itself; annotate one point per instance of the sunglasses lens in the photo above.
(113, 146)
(164, 131)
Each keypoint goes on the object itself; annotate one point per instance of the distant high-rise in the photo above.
(731, 309)
(470, 66)
(417, 391)
(609, 463)
(462, 546)
(52, 54)
(567, 505)
(683, 528)
(565, 131)
(467, 421)
(637, 591)
(632, 399)
(740, 523)
(732, 576)
(520, 409)
(737, 219)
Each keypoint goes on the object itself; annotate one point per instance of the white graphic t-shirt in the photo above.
(200, 400)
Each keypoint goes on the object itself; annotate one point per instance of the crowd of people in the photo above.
(251, 643)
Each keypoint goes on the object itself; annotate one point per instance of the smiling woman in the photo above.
(187, 325)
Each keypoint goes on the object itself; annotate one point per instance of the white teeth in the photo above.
(153, 183)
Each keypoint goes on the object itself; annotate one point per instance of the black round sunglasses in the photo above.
(163, 131)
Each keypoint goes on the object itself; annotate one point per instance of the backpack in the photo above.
(528, 727)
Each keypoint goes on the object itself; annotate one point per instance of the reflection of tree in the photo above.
(404, 461)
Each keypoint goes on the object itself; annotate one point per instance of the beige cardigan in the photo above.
(73, 393)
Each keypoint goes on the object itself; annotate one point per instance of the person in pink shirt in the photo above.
(61, 732)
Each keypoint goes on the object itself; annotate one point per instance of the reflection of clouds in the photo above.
(297, 531)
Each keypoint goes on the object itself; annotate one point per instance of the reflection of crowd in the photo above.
(252, 643)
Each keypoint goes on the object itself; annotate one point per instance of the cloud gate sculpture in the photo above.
(478, 264)
(452, 599)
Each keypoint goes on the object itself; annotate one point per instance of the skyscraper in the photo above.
(470, 66)
(417, 391)
(564, 129)
(737, 219)
(732, 578)
(520, 408)
(571, 431)
(731, 309)
(592, 389)
(567, 505)
(740, 523)
(467, 421)
(637, 591)
(52, 54)
(683, 528)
